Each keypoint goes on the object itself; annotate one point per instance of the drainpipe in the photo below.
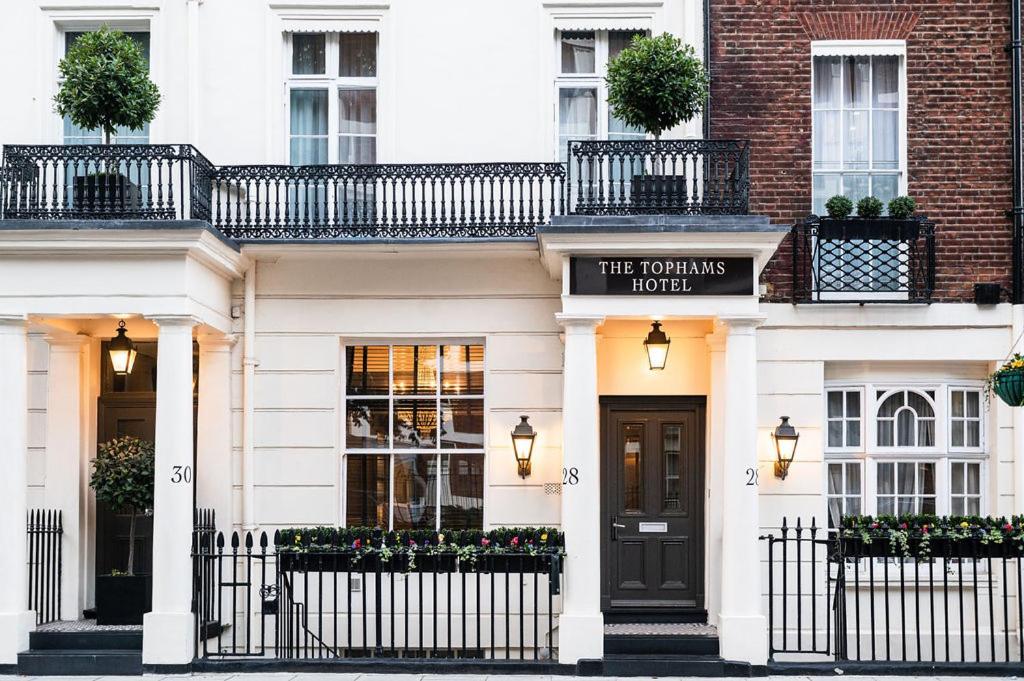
(707, 67)
(1017, 294)
(249, 363)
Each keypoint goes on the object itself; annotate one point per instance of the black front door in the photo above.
(653, 505)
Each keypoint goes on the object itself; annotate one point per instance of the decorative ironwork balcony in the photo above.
(863, 260)
(643, 177)
(385, 201)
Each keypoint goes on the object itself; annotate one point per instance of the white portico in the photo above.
(713, 316)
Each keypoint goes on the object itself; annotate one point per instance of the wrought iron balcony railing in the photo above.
(643, 177)
(385, 201)
(863, 260)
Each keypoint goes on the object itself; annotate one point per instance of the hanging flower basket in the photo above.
(1008, 382)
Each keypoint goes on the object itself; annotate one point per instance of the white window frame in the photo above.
(391, 450)
(333, 83)
(844, 419)
(982, 483)
(864, 48)
(942, 455)
(861, 493)
(982, 445)
(593, 80)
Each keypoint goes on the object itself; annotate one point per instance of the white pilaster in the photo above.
(742, 625)
(581, 626)
(168, 629)
(716, 470)
(214, 482)
(16, 621)
(65, 428)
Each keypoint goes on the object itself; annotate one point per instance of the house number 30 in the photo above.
(181, 474)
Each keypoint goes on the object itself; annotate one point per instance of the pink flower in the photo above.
(1007, 527)
(874, 526)
(357, 543)
(412, 542)
(515, 541)
(485, 542)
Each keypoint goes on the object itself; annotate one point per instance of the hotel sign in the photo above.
(659, 276)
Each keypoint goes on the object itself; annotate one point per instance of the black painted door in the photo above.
(653, 504)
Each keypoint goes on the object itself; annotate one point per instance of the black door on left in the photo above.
(653, 506)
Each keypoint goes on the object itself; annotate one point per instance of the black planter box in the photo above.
(106, 193)
(869, 229)
(939, 547)
(123, 599)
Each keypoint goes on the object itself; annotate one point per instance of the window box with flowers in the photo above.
(928, 536)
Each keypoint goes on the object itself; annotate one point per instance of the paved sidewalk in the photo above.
(452, 677)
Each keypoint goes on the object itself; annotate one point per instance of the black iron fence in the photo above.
(637, 177)
(861, 260)
(45, 530)
(255, 602)
(845, 600)
(97, 181)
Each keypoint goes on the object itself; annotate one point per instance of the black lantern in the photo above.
(656, 345)
(523, 436)
(122, 352)
(785, 437)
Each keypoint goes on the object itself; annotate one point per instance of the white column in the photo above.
(16, 621)
(214, 482)
(581, 626)
(64, 442)
(716, 470)
(168, 629)
(742, 625)
(1017, 419)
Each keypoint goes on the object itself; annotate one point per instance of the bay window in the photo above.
(904, 449)
(414, 436)
(858, 121)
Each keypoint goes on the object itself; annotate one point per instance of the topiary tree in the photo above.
(105, 84)
(656, 83)
(122, 477)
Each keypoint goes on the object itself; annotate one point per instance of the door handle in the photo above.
(616, 526)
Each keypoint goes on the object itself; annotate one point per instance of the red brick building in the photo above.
(950, 100)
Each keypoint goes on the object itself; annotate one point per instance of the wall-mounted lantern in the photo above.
(523, 436)
(122, 351)
(785, 437)
(656, 345)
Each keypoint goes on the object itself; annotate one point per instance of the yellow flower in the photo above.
(964, 524)
(298, 538)
(440, 538)
(544, 537)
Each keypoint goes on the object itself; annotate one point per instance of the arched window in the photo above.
(906, 418)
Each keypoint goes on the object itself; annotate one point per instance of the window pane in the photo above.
(957, 434)
(835, 433)
(462, 370)
(366, 370)
(973, 506)
(885, 140)
(886, 82)
(632, 466)
(853, 433)
(358, 55)
(919, 403)
(309, 112)
(885, 433)
(885, 188)
(905, 478)
(415, 424)
(577, 112)
(905, 423)
(927, 506)
(855, 152)
(353, 149)
(974, 478)
(926, 433)
(415, 371)
(827, 139)
(462, 424)
(957, 403)
(835, 404)
(853, 506)
(973, 400)
(956, 506)
(672, 437)
(415, 491)
(956, 482)
(308, 53)
(926, 478)
(857, 80)
(462, 491)
(855, 187)
(886, 506)
(825, 186)
(305, 151)
(835, 478)
(973, 438)
(853, 403)
(853, 478)
(357, 112)
(367, 491)
(835, 511)
(827, 82)
(620, 40)
(578, 52)
(886, 485)
(367, 424)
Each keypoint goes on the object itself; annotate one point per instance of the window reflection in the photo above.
(415, 491)
(462, 491)
(368, 491)
(632, 465)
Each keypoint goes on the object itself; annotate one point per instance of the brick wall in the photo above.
(958, 118)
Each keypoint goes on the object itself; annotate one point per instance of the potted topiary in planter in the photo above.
(105, 84)
(869, 223)
(122, 478)
(655, 84)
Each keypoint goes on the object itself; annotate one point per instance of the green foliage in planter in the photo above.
(656, 83)
(902, 207)
(105, 83)
(908, 535)
(869, 207)
(122, 477)
(839, 207)
(467, 545)
(1008, 381)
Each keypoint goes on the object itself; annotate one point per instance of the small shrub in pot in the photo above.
(902, 207)
(869, 207)
(839, 207)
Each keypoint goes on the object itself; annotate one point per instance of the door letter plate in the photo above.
(654, 527)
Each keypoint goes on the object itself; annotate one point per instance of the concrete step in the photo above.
(641, 644)
(663, 665)
(79, 662)
(96, 639)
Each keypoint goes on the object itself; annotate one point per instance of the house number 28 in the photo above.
(181, 474)
(751, 474)
(570, 476)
